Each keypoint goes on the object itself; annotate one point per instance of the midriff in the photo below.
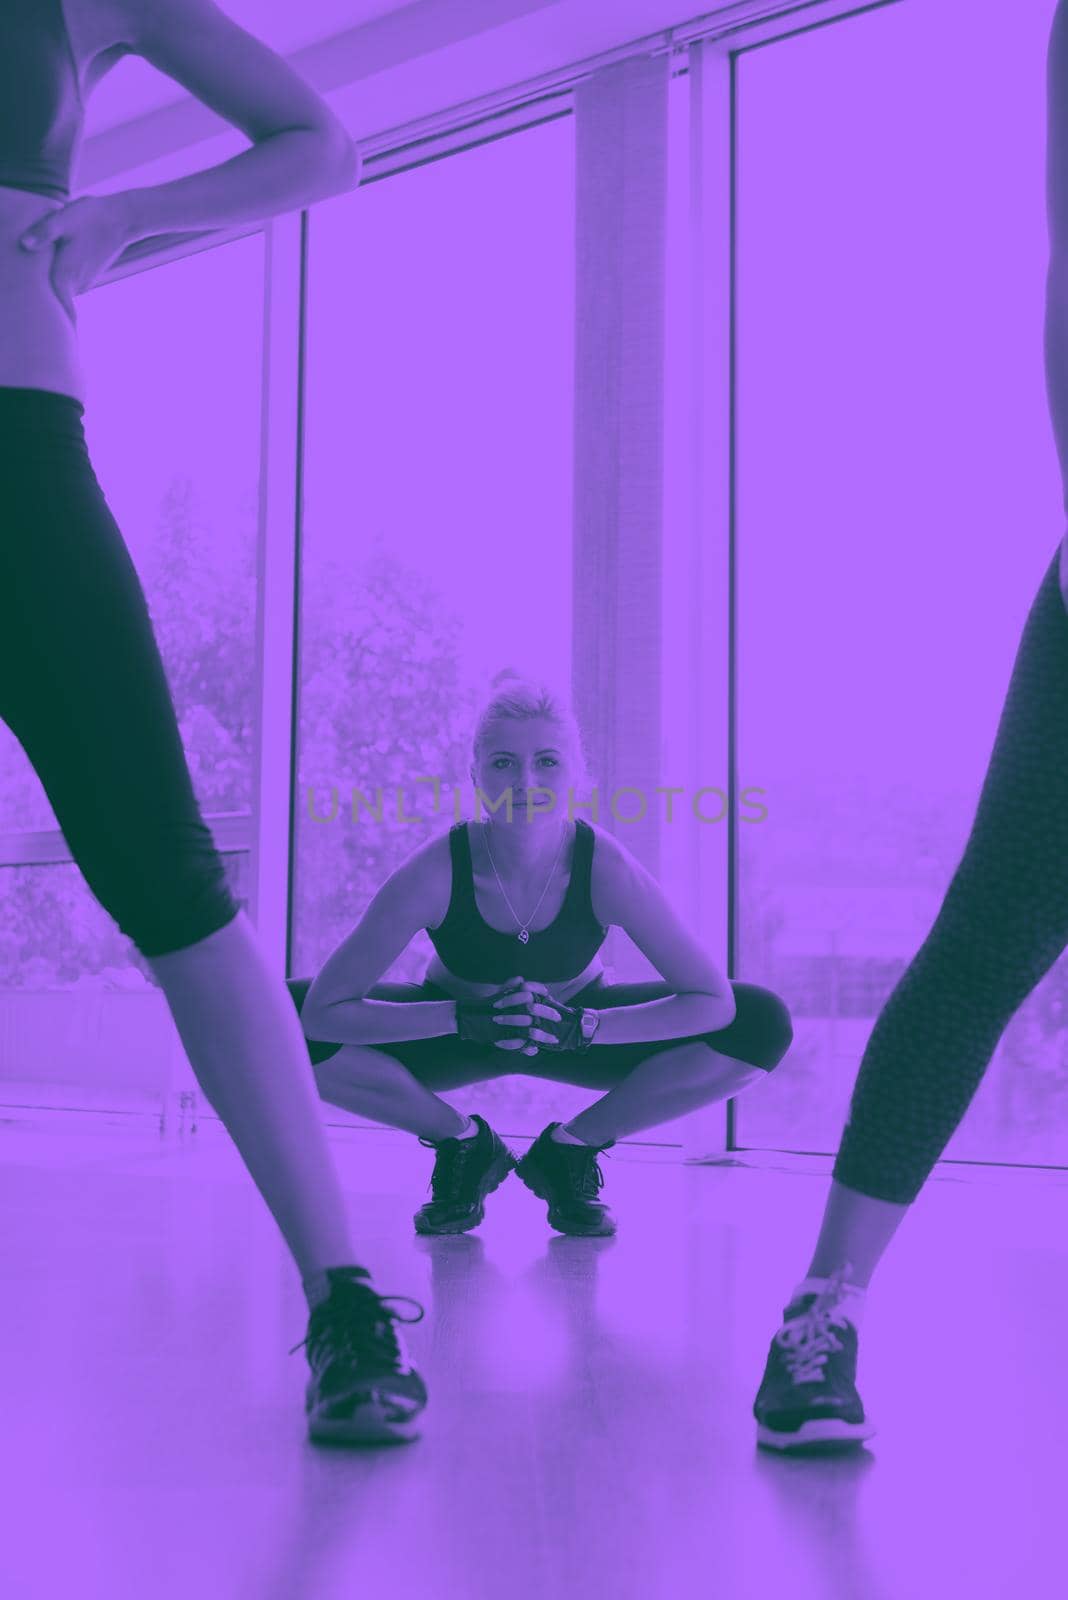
(38, 339)
(461, 989)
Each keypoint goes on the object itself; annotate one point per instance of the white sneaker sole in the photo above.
(828, 1431)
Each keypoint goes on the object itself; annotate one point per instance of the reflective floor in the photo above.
(589, 1430)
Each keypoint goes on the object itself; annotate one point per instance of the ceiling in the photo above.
(286, 27)
(134, 87)
(384, 65)
(562, 30)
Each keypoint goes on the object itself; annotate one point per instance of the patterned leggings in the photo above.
(1002, 925)
(1004, 920)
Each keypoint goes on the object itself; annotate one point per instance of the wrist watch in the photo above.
(588, 1024)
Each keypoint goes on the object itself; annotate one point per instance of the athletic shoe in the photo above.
(465, 1172)
(808, 1396)
(568, 1177)
(363, 1388)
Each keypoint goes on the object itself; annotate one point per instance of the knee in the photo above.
(319, 1050)
(298, 993)
(763, 1029)
(692, 1064)
(298, 990)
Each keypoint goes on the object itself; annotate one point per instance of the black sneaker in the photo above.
(808, 1396)
(465, 1172)
(363, 1388)
(569, 1178)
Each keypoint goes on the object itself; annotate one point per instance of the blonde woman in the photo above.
(517, 911)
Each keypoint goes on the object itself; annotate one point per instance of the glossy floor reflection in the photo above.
(589, 1429)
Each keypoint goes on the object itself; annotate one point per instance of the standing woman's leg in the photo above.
(1002, 925)
(1020, 838)
(83, 688)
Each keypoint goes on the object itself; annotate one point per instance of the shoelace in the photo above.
(808, 1339)
(446, 1180)
(590, 1176)
(357, 1323)
(592, 1179)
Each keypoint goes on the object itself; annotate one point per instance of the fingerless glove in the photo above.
(565, 1027)
(475, 1021)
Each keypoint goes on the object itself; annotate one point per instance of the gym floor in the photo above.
(589, 1431)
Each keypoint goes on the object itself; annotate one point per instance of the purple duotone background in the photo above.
(898, 499)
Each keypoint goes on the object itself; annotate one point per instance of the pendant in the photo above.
(522, 936)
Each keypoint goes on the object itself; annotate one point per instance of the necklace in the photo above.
(524, 927)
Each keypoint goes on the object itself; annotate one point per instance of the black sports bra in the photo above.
(41, 112)
(472, 950)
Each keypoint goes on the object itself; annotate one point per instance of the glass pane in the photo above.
(438, 508)
(174, 358)
(899, 502)
(173, 364)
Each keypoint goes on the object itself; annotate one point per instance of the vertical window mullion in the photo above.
(709, 530)
(276, 587)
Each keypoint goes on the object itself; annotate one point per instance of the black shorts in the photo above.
(83, 688)
(760, 1035)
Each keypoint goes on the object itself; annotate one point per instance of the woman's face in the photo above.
(525, 755)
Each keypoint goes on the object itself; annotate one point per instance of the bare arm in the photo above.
(703, 1002)
(335, 1011)
(300, 151)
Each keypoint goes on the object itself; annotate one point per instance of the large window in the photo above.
(173, 363)
(897, 499)
(437, 534)
(898, 502)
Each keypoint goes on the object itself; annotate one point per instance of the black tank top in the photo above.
(40, 98)
(473, 950)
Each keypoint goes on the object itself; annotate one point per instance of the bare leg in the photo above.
(857, 1228)
(854, 1234)
(244, 1041)
(371, 1084)
(662, 1087)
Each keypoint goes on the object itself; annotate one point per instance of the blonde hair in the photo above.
(514, 694)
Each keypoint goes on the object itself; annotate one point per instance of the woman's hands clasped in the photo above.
(519, 1004)
(509, 1019)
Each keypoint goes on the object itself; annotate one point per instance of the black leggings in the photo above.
(760, 1035)
(83, 688)
(1002, 925)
